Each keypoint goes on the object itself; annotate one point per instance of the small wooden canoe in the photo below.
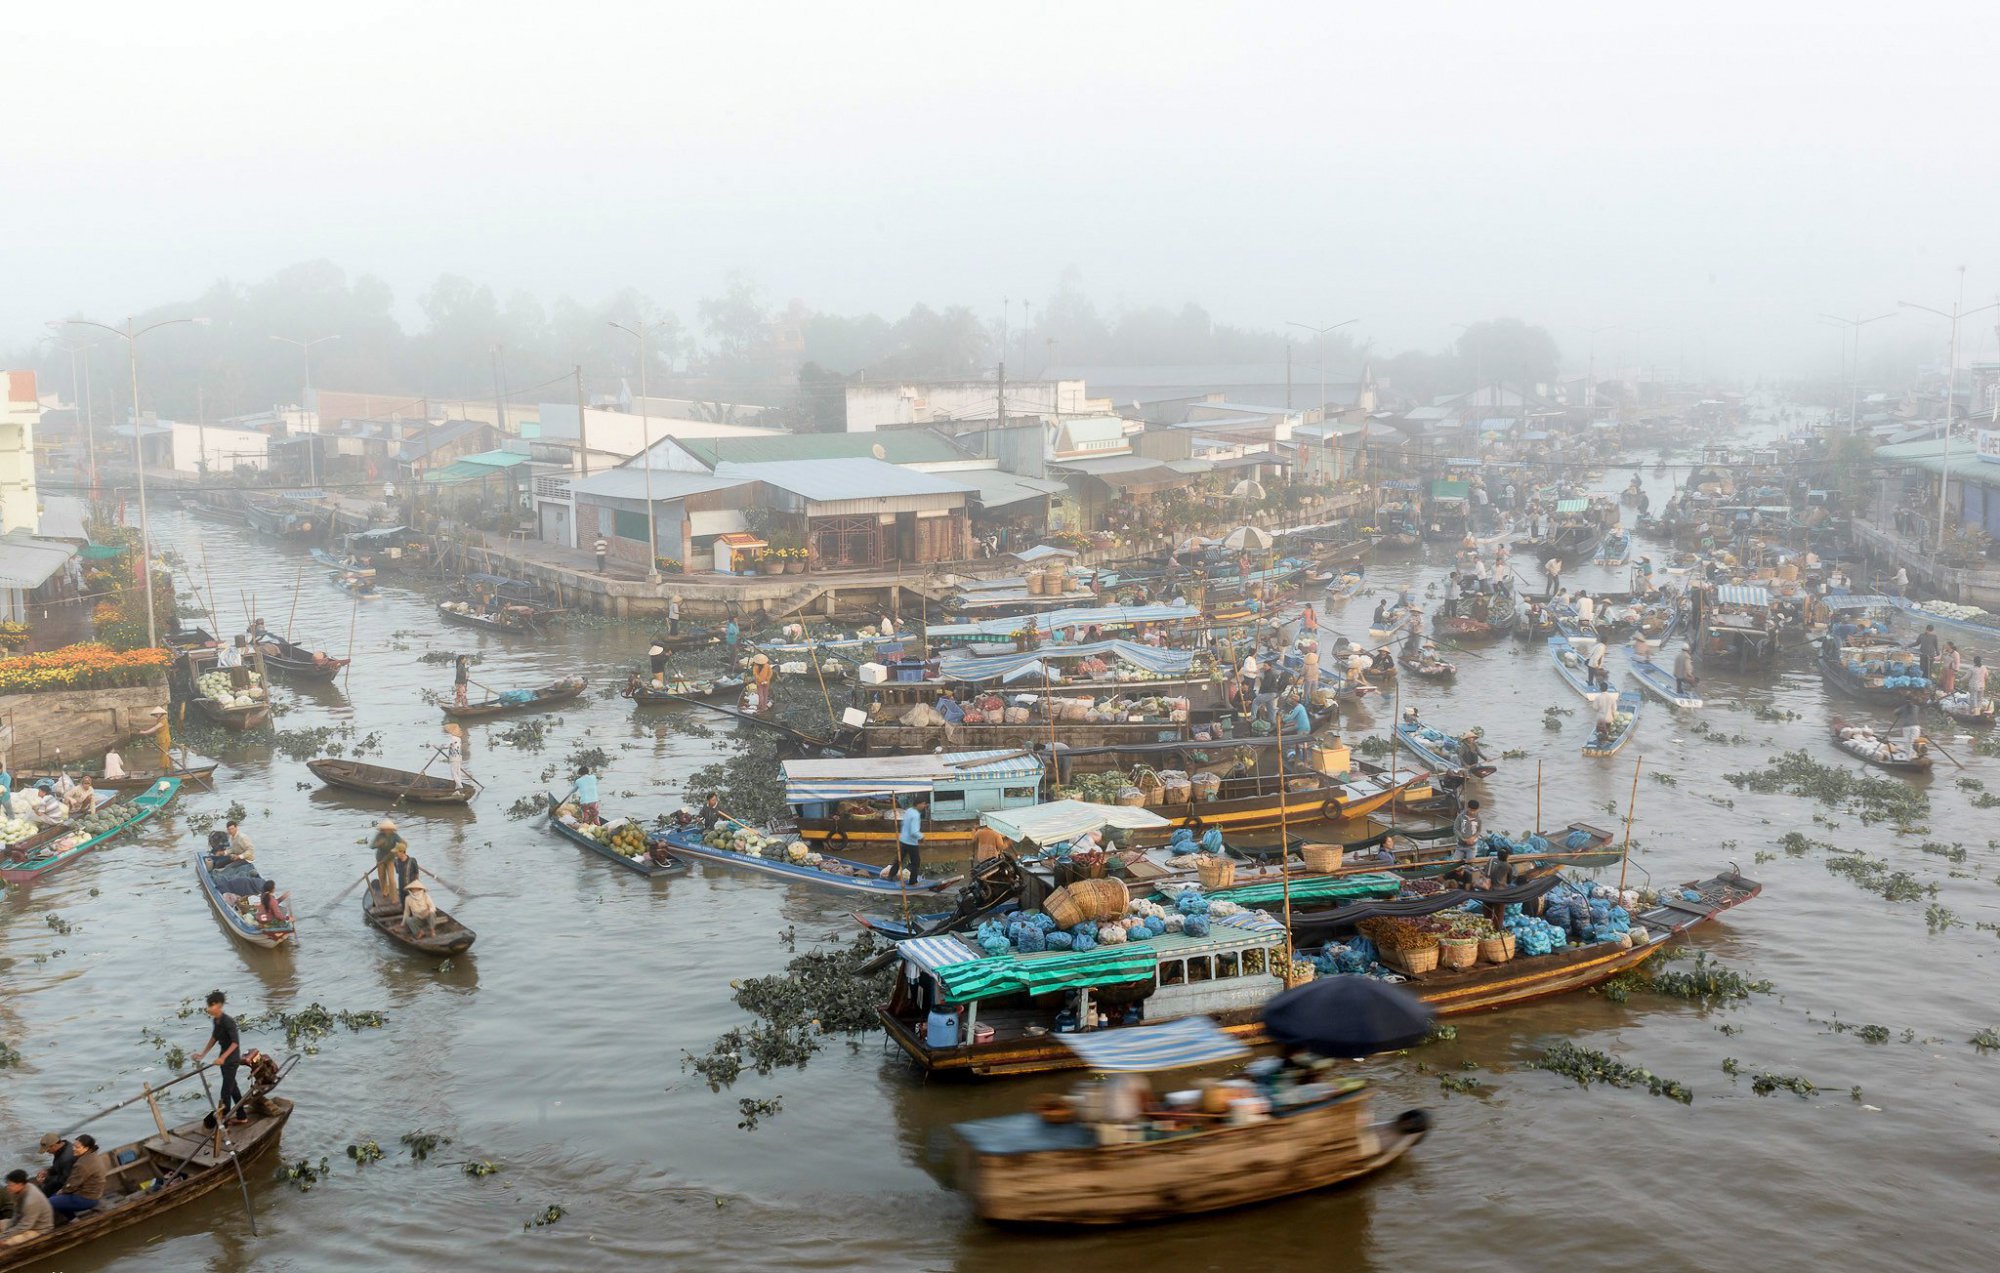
(1863, 747)
(296, 662)
(1658, 682)
(566, 690)
(242, 927)
(53, 854)
(1437, 749)
(512, 620)
(1958, 706)
(134, 779)
(1428, 667)
(150, 1178)
(1623, 723)
(683, 689)
(657, 862)
(348, 565)
(361, 587)
(395, 784)
(237, 718)
(830, 872)
(450, 938)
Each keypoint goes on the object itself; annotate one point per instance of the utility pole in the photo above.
(305, 348)
(1958, 311)
(646, 449)
(499, 396)
(1288, 373)
(582, 428)
(1000, 399)
(1321, 333)
(201, 434)
(1854, 326)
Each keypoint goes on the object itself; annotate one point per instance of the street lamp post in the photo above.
(638, 333)
(80, 385)
(130, 335)
(312, 447)
(1958, 311)
(1321, 332)
(1854, 326)
(1590, 383)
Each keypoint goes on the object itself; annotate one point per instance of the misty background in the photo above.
(920, 191)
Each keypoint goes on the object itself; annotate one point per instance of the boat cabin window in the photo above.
(1225, 965)
(1029, 794)
(1253, 962)
(951, 799)
(1172, 972)
(1198, 969)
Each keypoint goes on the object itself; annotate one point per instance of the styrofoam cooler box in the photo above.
(871, 674)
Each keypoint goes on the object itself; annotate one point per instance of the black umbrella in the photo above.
(1348, 1016)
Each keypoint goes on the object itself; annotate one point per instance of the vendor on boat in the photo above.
(656, 660)
(163, 737)
(239, 851)
(453, 752)
(584, 791)
(419, 911)
(1604, 704)
(1684, 677)
(82, 797)
(1910, 725)
(32, 1215)
(711, 812)
(270, 911)
(760, 679)
(385, 843)
(461, 679)
(1466, 830)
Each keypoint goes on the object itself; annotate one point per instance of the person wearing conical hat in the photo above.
(454, 752)
(162, 735)
(385, 844)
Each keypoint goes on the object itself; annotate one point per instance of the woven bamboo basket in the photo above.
(1064, 908)
(1420, 960)
(1035, 583)
(1323, 859)
(1458, 952)
(1215, 871)
(1497, 949)
(1299, 974)
(1101, 897)
(1131, 796)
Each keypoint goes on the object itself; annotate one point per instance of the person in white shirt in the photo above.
(1586, 607)
(114, 766)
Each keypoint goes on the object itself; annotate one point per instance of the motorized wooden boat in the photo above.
(1427, 666)
(1852, 668)
(1615, 550)
(281, 518)
(509, 619)
(1958, 706)
(1483, 616)
(567, 690)
(1024, 1169)
(394, 784)
(828, 871)
(450, 937)
(242, 927)
(1570, 664)
(133, 779)
(1439, 750)
(1879, 750)
(360, 587)
(151, 1178)
(1622, 725)
(657, 860)
(684, 689)
(1227, 976)
(297, 663)
(343, 564)
(1658, 682)
(214, 513)
(45, 856)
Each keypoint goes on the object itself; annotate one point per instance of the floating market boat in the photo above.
(1658, 681)
(296, 662)
(1428, 666)
(342, 563)
(151, 1178)
(1027, 1168)
(1483, 616)
(797, 862)
(1958, 706)
(448, 938)
(1874, 670)
(651, 856)
(361, 587)
(851, 801)
(243, 927)
(133, 779)
(395, 784)
(105, 824)
(1881, 751)
(1570, 662)
(1740, 629)
(1615, 550)
(566, 690)
(683, 689)
(957, 1010)
(213, 693)
(1623, 723)
(508, 619)
(1438, 750)
(281, 518)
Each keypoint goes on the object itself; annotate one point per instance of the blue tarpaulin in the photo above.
(1170, 1045)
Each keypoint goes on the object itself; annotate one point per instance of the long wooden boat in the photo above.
(893, 739)
(360, 587)
(1958, 706)
(1622, 724)
(511, 620)
(396, 784)
(1658, 682)
(133, 780)
(450, 937)
(296, 662)
(566, 690)
(831, 872)
(1237, 967)
(52, 855)
(1021, 1169)
(236, 718)
(657, 861)
(1615, 550)
(1480, 617)
(1437, 749)
(685, 689)
(150, 1178)
(242, 927)
(1569, 662)
(1868, 688)
(275, 518)
(1427, 667)
(342, 563)
(1862, 746)
(215, 513)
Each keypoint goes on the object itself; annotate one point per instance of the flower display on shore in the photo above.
(86, 665)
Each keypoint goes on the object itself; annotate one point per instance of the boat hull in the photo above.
(241, 928)
(65, 851)
(638, 866)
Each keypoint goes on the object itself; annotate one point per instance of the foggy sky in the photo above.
(1706, 177)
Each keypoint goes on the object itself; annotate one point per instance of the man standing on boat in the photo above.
(461, 678)
(1909, 724)
(385, 843)
(224, 1035)
(585, 791)
(1684, 677)
(1553, 568)
(1975, 684)
(1467, 827)
(1927, 650)
(1599, 678)
(674, 615)
(1605, 704)
(909, 841)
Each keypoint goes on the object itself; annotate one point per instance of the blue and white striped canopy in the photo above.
(1171, 1045)
(1740, 594)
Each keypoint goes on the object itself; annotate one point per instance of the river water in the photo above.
(554, 1047)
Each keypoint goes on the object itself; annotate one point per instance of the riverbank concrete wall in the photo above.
(73, 723)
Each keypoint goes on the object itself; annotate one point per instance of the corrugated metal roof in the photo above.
(855, 778)
(837, 480)
(1000, 490)
(61, 518)
(899, 446)
(630, 483)
(26, 562)
(1737, 594)
(1098, 466)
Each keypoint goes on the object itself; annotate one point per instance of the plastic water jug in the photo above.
(942, 1030)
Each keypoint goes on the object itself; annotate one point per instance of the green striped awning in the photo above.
(1323, 888)
(1572, 505)
(1040, 974)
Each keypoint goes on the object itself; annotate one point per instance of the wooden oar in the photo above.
(1941, 751)
(459, 889)
(328, 910)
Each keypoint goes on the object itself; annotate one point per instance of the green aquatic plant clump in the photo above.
(1587, 1066)
(1871, 798)
(1707, 981)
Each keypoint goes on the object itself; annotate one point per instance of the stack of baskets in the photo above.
(1215, 871)
(1420, 959)
(1175, 787)
(1207, 786)
(1085, 900)
(1323, 859)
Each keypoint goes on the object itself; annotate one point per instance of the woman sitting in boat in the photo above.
(1381, 619)
(270, 911)
(419, 911)
(82, 797)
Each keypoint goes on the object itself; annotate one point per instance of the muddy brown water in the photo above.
(554, 1048)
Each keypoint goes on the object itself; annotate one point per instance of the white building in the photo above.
(895, 406)
(19, 415)
(224, 448)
